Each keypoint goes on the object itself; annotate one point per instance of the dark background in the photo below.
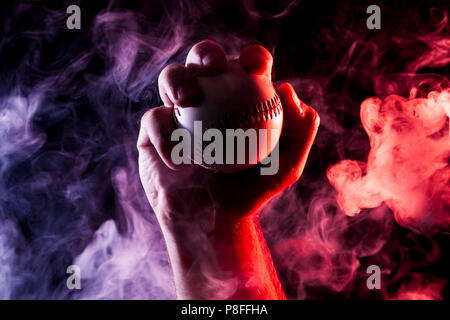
(90, 116)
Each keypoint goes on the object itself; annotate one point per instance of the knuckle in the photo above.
(147, 117)
(171, 72)
(204, 47)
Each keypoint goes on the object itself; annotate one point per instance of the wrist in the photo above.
(224, 237)
(209, 223)
(198, 255)
(232, 252)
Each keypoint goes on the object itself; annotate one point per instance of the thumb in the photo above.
(300, 127)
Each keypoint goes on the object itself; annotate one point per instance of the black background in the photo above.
(311, 41)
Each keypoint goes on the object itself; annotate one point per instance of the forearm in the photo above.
(244, 251)
(230, 262)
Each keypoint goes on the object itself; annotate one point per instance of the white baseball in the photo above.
(237, 99)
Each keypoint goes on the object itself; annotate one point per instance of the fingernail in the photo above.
(296, 99)
(301, 106)
(213, 63)
(206, 59)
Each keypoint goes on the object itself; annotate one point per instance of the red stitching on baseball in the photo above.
(257, 112)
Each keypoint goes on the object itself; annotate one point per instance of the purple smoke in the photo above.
(70, 104)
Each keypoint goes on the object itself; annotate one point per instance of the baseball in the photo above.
(234, 100)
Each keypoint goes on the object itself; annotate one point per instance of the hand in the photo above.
(181, 192)
(209, 220)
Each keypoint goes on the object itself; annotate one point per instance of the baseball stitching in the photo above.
(257, 112)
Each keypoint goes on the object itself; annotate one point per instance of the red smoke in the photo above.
(420, 288)
(71, 103)
(408, 164)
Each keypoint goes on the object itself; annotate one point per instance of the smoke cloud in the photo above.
(408, 164)
(70, 104)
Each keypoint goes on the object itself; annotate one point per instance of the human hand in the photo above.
(216, 248)
(190, 192)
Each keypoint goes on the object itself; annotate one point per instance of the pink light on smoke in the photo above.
(69, 110)
(420, 288)
(408, 164)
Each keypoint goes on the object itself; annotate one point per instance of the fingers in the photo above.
(155, 135)
(206, 58)
(178, 86)
(300, 127)
(257, 60)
